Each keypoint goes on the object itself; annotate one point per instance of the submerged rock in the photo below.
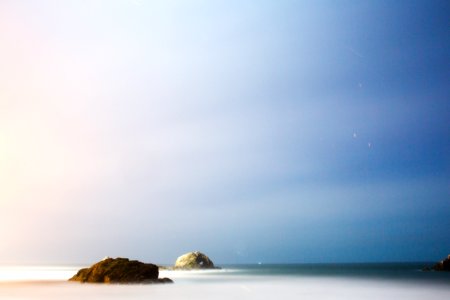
(120, 270)
(443, 265)
(194, 260)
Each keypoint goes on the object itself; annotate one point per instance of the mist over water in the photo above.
(357, 281)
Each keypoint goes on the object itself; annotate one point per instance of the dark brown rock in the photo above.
(443, 265)
(165, 280)
(120, 270)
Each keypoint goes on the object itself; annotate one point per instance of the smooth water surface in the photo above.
(325, 281)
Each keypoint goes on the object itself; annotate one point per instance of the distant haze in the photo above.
(253, 131)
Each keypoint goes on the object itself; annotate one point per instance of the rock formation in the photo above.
(193, 260)
(443, 265)
(120, 270)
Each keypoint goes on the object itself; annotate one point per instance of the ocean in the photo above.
(288, 281)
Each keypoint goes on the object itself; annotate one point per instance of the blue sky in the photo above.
(285, 131)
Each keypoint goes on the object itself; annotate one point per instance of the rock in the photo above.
(443, 265)
(120, 270)
(165, 280)
(194, 260)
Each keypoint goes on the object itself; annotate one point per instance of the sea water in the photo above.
(305, 281)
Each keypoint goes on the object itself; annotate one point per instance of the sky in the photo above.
(253, 131)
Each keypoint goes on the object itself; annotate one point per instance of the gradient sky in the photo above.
(272, 131)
